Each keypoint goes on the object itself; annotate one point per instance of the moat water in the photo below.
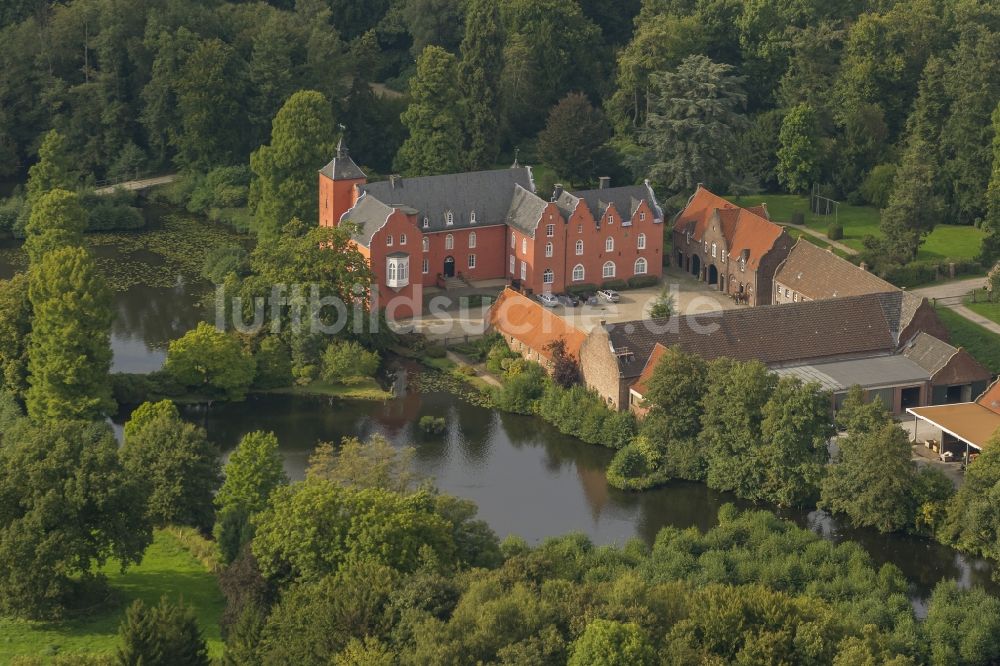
(526, 477)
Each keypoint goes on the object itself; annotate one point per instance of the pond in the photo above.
(526, 477)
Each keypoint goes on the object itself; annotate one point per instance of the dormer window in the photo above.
(642, 216)
(449, 218)
(397, 271)
(472, 217)
(427, 223)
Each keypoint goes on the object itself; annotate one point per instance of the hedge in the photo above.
(584, 288)
(642, 281)
(614, 284)
(835, 231)
(916, 273)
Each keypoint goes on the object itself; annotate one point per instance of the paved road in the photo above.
(820, 235)
(138, 184)
(951, 289)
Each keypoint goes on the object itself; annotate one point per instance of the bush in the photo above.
(614, 284)
(584, 288)
(10, 211)
(916, 273)
(435, 351)
(274, 364)
(209, 360)
(223, 187)
(433, 425)
(523, 384)
(346, 361)
(878, 185)
(109, 216)
(835, 231)
(495, 358)
(798, 218)
(630, 469)
(222, 261)
(638, 281)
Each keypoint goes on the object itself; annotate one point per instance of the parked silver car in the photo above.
(610, 295)
(548, 300)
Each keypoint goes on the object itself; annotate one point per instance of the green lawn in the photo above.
(167, 569)
(982, 344)
(983, 307)
(366, 388)
(946, 241)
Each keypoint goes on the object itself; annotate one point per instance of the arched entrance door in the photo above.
(449, 267)
(713, 274)
(696, 266)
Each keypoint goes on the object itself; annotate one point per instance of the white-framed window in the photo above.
(427, 223)
(472, 239)
(548, 277)
(706, 247)
(579, 248)
(524, 271)
(786, 292)
(550, 230)
(642, 216)
(779, 290)
(689, 238)
(511, 264)
(611, 219)
(548, 249)
(715, 250)
(472, 261)
(449, 242)
(609, 270)
(640, 266)
(579, 228)
(609, 244)
(425, 266)
(524, 246)
(402, 239)
(397, 272)
(426, 244)
(449, 218)
(472, 217)
(578, 273)
(641, 241)
(743, 265)
(388, 240)
(513, 240)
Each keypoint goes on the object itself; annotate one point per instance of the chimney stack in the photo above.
(863, 265)
(395, 179)
(557, 192)
(605, 182)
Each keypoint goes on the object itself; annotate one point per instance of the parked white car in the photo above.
(548, 300)
(610, 295)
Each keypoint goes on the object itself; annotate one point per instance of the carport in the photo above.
(970, 424)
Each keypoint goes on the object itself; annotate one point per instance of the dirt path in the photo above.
(816, 234)
(140, 184)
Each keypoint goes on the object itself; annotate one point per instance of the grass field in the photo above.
(366, 388)
(946, 241)
(167, 569)
(982, 344)
(983, 307)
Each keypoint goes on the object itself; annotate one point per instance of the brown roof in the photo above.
(817, 274)
(744, 229)
(774, 334)
(991, 398)
(929, 353)
(642, 384)
(974, 422)
(527, 321)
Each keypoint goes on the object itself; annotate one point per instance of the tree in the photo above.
(434, 22)
(69, 354)
(573, 140)
(479, 75)
(793, 448)
(15, 332)
(177, 463)
(285, 171)
(914, 206)
(993, 283)
(991, 223)
(66, 507)
(610, 643)
(731, 424)
(375, 463)
(54, 168)
(972, 522)
(872, 495)
(434, 117)
(692, 123)
(347, 362)
(974, 610)
(798, 156)
(663, 305)
(159, 635)
(207, 359)
(676, 389)
(565, 371)
(57, 220)
(859, 416)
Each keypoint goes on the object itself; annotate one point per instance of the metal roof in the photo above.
(869, 373)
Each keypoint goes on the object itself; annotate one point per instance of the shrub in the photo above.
(798, 218)
(223, 187)
(108, 216)
(433, 425)
(499, 353)
(466, 370)
(638, 281)
(222, 261)
(630, 470)
(878, 184)
(916, 273)
(209, 359)
(10, 211)
(346, 361)
(523, 384)
(577, 289)
(274, 364)
(148, 634)
(435, 351)
(614, 284)
(835, 231)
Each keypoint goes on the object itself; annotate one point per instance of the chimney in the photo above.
(605, 182)
(395, 179)
(863, 265)
(557, 192)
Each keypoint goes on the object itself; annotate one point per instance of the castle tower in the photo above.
(337, 186)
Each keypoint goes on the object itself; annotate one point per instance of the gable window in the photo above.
(524, 246)
(609, 244)
(472, 261)
(449, 242)
(397, 272)
(402, 239)
(641, 241)
(642, 216)
(640, 266)
(611, 219)
(579, 248)
(449, 218)
(609, 270)
(689, 238)
(388, 240)
(579, 228)
(550, 230)
(472, 217)
(472, 239)
(548, 249)
(714, 250)
(548, 277)
(426, 243)
(578, 273)
(524, 271)
(427, 223)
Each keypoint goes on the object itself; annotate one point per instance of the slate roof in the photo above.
(929, 353)
(369, 214)
(488, 193)
(743, 229)
(899, 307)
(625, 199)
(818, 274)
(788, 334)
(342, 167)
(525, 211)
